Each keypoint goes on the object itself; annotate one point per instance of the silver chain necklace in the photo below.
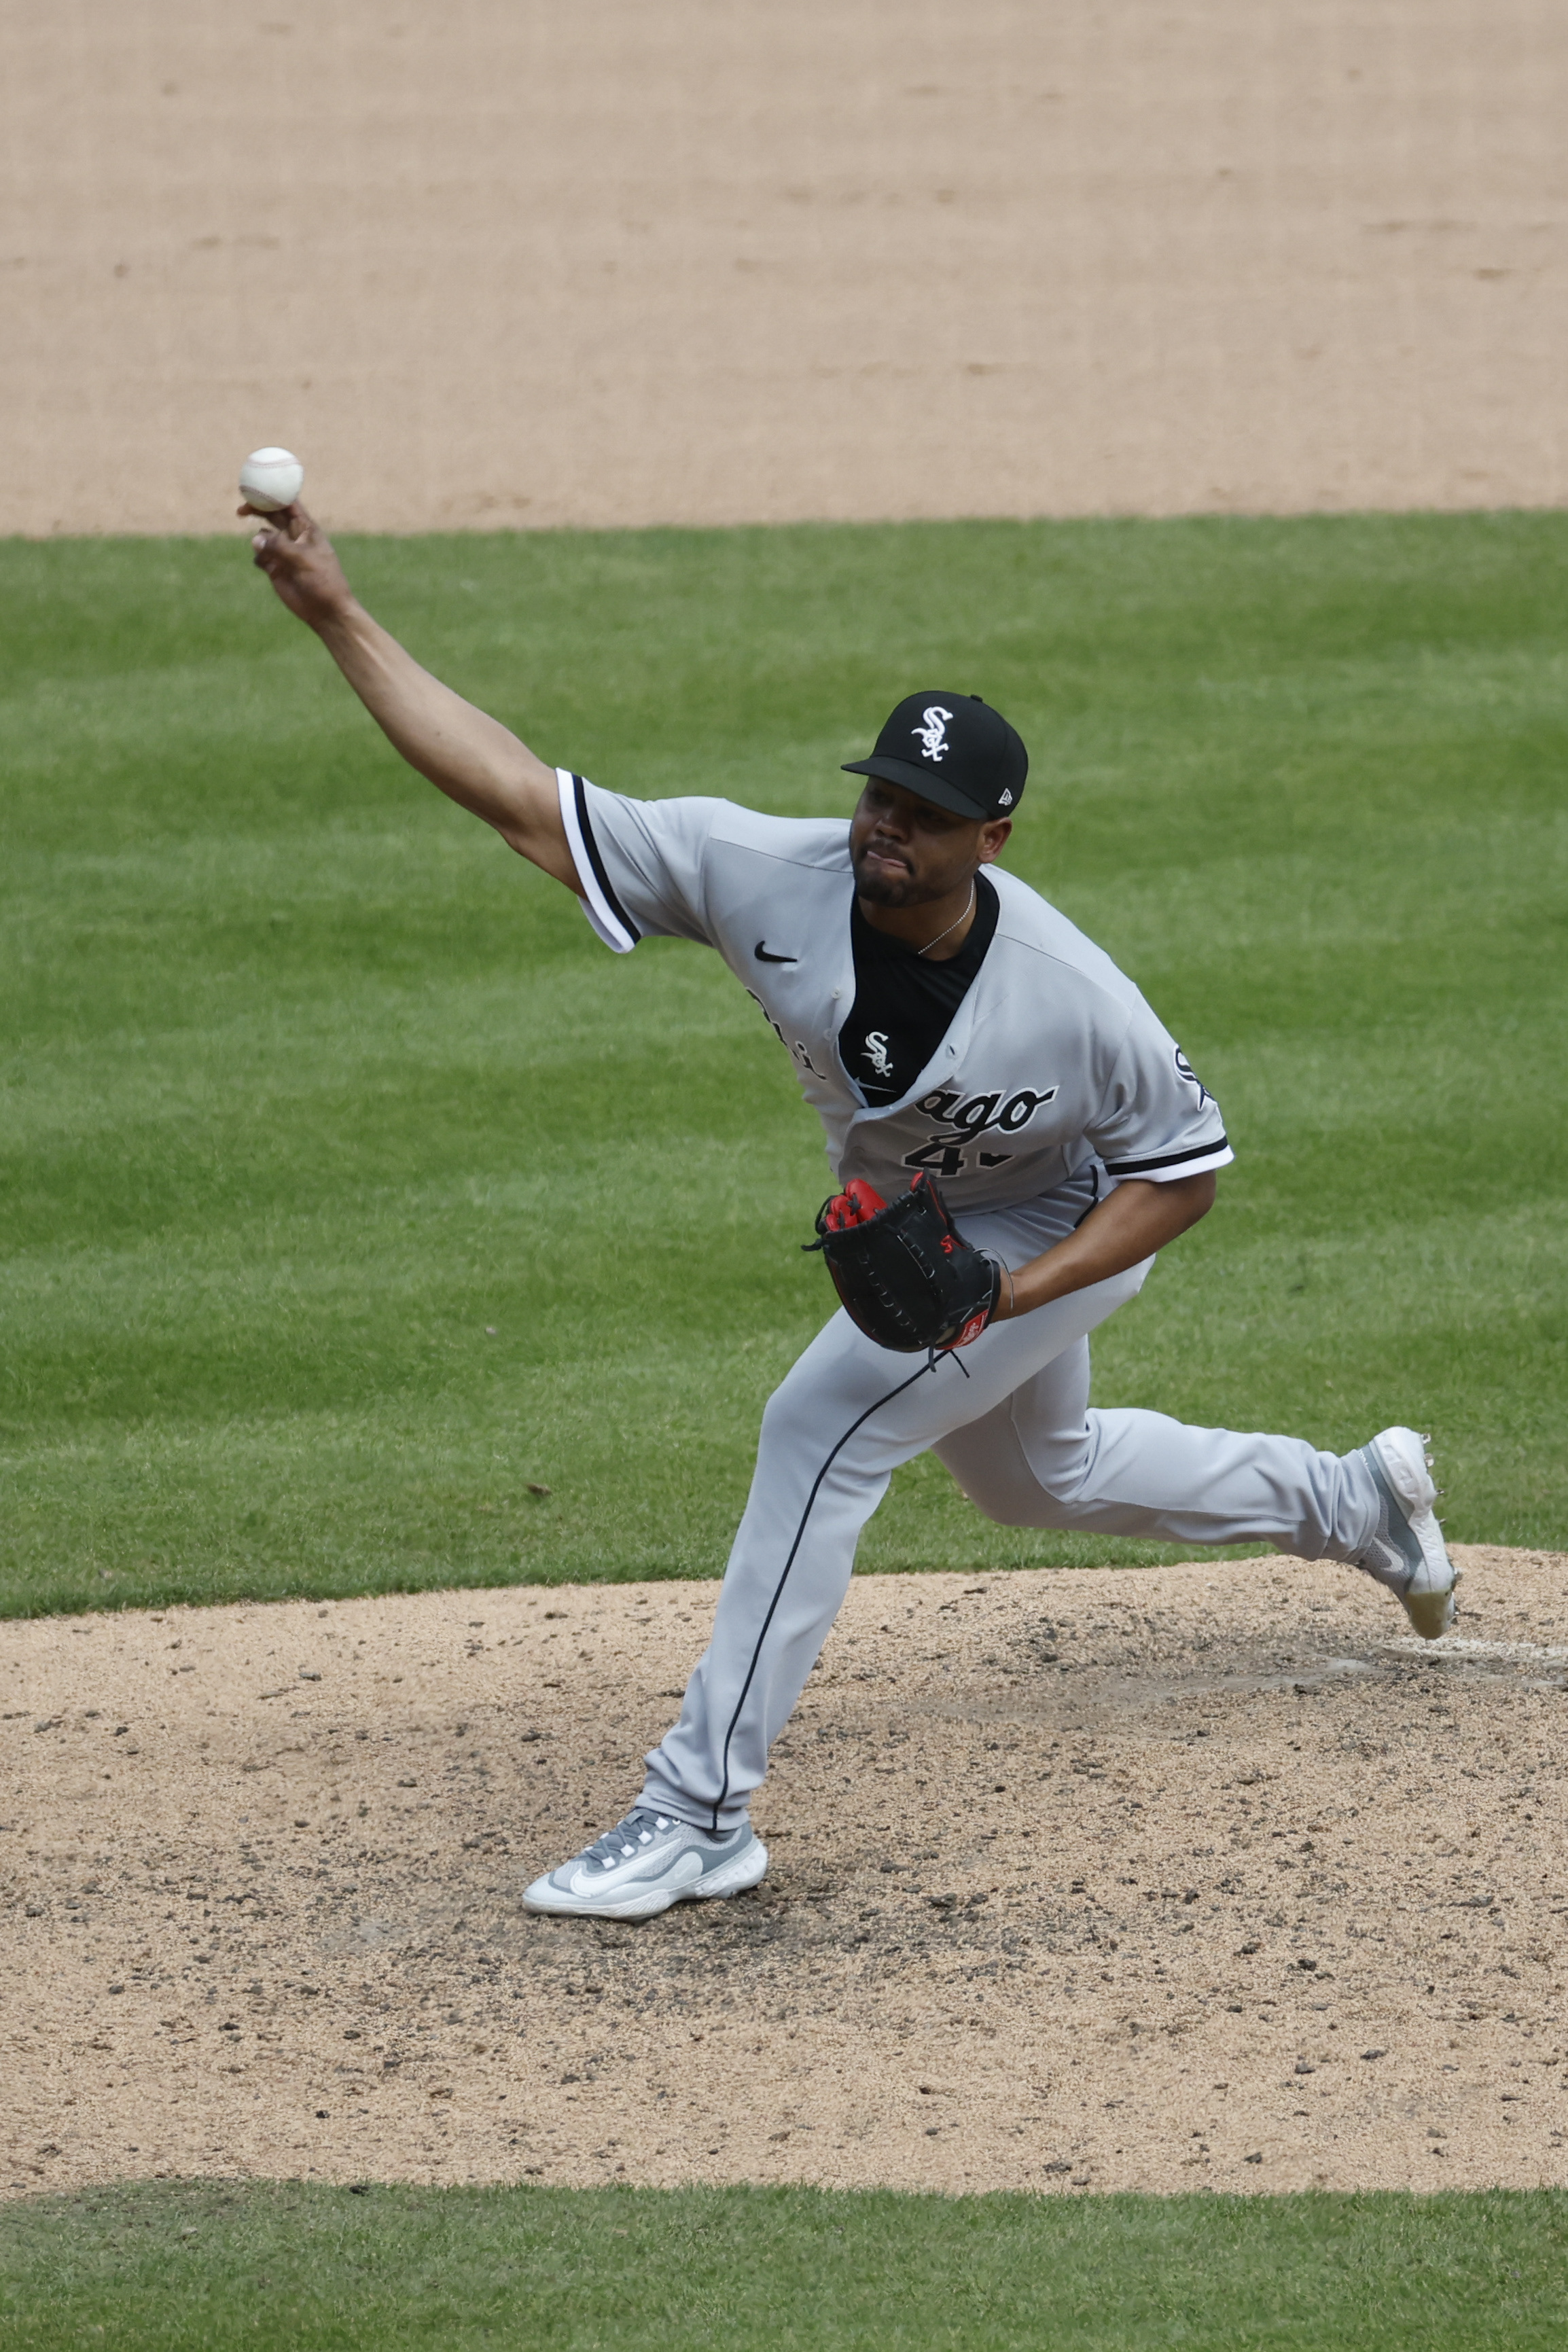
(951, 926)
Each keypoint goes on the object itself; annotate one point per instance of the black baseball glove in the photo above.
(901, 1270)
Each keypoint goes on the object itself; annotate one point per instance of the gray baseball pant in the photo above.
(1010, 1417)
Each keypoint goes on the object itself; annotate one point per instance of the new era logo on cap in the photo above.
(953, 750)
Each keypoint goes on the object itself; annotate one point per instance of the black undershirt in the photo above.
(904, 1003)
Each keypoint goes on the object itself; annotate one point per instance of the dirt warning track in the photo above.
(1093, 1879)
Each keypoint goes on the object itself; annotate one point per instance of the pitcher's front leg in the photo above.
(843, 1419)
(831, 1438)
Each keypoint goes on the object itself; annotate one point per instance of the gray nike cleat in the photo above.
(1407, 1552)
(647, 1862)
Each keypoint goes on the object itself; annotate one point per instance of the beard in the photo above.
(881, 891)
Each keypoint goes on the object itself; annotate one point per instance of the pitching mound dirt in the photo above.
(1115, 1879)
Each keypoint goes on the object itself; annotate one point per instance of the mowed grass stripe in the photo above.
(185, 2267)
(350, 1188)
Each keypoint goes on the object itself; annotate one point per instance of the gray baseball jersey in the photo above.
(1052, 1063)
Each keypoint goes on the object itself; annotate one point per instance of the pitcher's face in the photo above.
(906, 852)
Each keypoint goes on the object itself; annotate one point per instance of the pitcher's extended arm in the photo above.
(472, 758)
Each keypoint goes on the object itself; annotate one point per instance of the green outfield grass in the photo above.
(204, 2268)
(352, 1189)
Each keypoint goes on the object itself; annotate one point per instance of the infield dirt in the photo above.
(1090, 1879)
(507, 263)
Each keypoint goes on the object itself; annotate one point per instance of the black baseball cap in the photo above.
(952, 749)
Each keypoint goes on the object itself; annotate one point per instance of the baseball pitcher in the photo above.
(1013, 1137)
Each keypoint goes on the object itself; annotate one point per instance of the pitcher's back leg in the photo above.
(1044, 1457)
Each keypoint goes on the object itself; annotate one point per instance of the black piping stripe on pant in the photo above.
(1094, 1197)
(928, 1366)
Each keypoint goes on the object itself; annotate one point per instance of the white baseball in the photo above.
(270, 478)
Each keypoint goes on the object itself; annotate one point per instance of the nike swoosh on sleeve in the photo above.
(763, 956)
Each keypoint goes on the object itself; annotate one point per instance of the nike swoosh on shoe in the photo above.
(680, 1870)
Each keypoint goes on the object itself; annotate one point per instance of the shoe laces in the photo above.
(629, 1838)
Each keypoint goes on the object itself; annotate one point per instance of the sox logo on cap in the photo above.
(933, 734)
